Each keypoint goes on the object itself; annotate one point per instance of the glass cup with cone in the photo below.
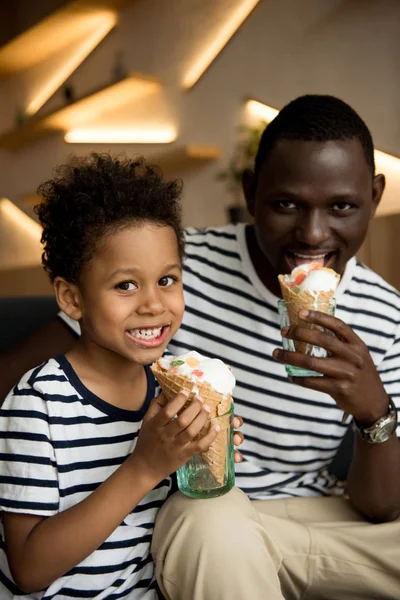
(289, 315)
(211, 473)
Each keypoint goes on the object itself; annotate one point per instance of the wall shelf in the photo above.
(55, 32)
(108, 98)
(181, 158)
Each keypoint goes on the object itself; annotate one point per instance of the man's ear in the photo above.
(249, 189)
(68, 298)
(378, 186)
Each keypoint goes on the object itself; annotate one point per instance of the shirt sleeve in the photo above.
(74, 325)
(28, 471)
(389, 371)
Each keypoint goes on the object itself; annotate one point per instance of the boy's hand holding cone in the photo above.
(213, 381)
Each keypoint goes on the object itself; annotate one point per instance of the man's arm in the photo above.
(352, 380)
(53, 338)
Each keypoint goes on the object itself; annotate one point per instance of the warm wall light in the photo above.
(101, 26)
(220, 39)
(19, 237)
(157, 135)
(261, 111)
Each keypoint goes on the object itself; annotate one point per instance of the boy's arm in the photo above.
(53, 338)
(40, 550)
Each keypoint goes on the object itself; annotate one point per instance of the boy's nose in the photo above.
(151, 302)
(313, 229)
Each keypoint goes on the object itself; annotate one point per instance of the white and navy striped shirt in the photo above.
(291, 433)
(58, 443)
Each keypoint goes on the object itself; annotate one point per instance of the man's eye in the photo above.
(342, 207)
(167, 281)
(126, 286)
(286, 204)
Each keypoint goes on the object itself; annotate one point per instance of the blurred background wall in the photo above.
(348, 48)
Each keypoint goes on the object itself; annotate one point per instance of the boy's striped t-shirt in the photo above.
(58, 443)
(291, 433)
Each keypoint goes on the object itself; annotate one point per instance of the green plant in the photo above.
(243, 156)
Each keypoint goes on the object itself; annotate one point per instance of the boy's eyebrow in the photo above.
(132, 270)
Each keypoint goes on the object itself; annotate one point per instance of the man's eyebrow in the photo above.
(132, 270)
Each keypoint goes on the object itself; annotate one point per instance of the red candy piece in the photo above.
(198, 373)
(299, 279)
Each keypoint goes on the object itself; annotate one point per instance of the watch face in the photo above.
(384, 432)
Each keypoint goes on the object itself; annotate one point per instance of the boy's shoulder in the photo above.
(39, 380)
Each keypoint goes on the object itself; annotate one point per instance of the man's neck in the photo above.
(261, 264)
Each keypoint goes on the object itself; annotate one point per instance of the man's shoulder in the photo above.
(218, 236)
(369, 285)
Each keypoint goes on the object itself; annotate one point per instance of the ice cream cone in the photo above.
(304, 301)
(171, 384)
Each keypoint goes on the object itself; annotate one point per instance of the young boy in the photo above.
(87, 450)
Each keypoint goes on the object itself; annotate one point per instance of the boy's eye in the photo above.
(167, 281)
(126, 286)
(342, 207)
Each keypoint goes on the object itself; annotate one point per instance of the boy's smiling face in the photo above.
(131, 294)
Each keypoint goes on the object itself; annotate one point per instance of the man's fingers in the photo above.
(337, 326)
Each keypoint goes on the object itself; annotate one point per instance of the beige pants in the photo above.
(229, 548)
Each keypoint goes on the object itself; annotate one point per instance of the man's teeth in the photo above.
(308, 257)
(146, 334)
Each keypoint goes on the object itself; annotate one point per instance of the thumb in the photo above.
(156, 405)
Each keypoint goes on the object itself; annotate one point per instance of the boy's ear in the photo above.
(378, 186)
(249, 185)
(68, 298)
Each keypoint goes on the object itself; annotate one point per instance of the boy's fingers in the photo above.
(155, 406)
(195, 426)
(237, 422)
(205, 442)
(171, 409)
(186, 417)
(238, 438)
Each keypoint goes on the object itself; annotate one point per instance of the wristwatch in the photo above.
(381, 430)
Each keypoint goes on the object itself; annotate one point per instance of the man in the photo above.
(312, 195)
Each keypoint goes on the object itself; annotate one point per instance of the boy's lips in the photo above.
(148, 337)
(295, 259)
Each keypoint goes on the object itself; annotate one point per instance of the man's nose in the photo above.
(151, 301)
(313, 228)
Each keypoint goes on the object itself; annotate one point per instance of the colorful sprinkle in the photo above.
(198, 373)
(177, 363)
(192, 362)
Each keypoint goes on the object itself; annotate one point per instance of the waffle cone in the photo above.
(171, 385)
(304, 301)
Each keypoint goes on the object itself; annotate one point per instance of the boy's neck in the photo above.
(109, 376)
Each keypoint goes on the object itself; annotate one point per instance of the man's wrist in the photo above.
(369, 417)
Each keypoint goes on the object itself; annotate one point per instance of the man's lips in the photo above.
(139, 338)
(296, 258)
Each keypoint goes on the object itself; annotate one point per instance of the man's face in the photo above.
(313, 200)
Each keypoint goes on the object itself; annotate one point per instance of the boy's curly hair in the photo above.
(95, 195)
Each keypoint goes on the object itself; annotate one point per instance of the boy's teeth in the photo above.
(147, 334)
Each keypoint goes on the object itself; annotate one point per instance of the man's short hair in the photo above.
(315, 118)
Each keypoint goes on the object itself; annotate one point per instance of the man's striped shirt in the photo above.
(291, 433)
(58, 443)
